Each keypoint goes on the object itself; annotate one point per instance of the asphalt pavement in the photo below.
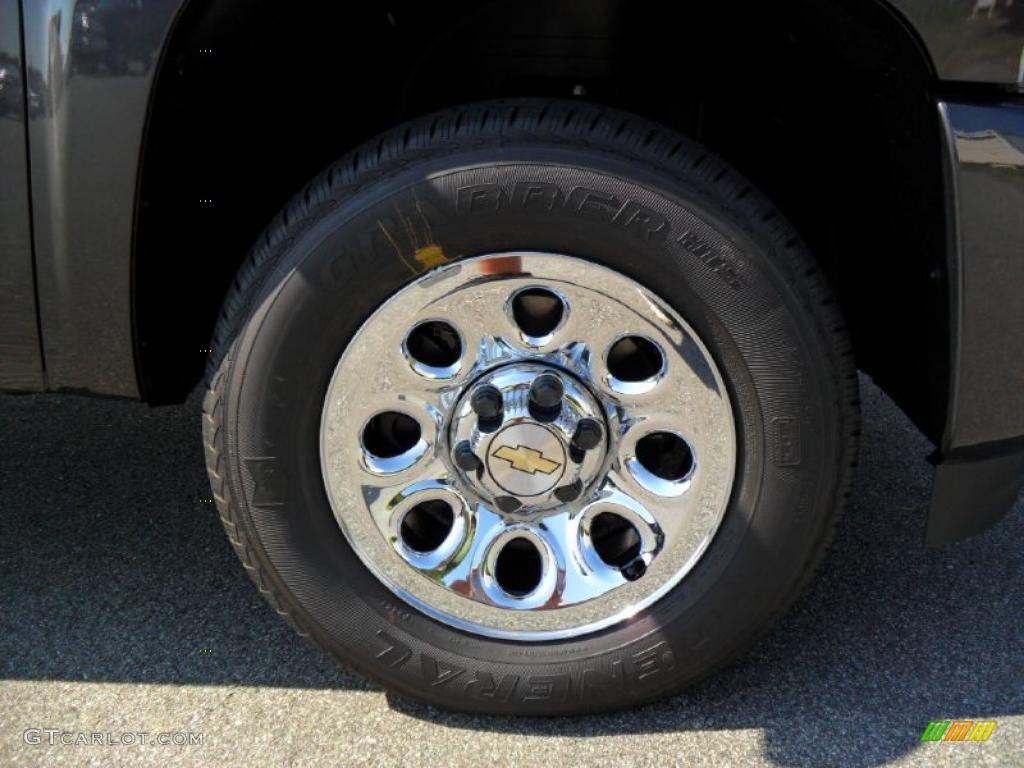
(124, 610)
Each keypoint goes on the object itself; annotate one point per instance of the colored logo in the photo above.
(958, 730)
(526, 459)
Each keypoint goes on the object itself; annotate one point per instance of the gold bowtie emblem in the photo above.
(526, 459)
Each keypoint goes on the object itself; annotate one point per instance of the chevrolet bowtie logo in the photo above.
(526, 459)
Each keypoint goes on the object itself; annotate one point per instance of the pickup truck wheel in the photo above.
(530, 407)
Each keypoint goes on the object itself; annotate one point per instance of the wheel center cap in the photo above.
(528, 437)
(526, 459)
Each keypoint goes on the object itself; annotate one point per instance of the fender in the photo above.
(977, 41)
(980, 461)
(94, 64)
(21, 363)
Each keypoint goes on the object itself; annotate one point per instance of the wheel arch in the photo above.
(826, 106)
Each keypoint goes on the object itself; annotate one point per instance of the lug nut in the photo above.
(588, 434)
(546, 397)
(465, 459)
(569, 492)
(508, 503)
(547, 391)
(634, 569)
(487, 403)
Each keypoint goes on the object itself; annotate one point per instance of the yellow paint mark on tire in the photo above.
(431, 256)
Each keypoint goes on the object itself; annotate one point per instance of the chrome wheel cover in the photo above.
(517, 495)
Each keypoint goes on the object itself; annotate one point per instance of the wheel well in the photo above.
(824, 104)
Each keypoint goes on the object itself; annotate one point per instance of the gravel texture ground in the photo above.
(124, 610)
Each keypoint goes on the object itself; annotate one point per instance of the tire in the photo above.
(718, 253)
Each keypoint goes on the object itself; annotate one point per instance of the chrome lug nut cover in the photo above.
(526, 458)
